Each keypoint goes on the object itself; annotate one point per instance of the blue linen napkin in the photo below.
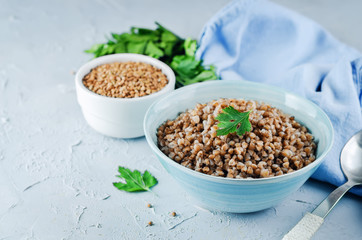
(263, 42)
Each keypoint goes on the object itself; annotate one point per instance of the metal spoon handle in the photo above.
(311, 222)
(305, 228)
(326, 206)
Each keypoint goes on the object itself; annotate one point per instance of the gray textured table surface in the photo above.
(56, 173)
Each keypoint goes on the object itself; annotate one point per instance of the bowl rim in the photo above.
(124, 57)
(218, 179)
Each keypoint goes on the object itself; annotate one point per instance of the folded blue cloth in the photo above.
(262, 42)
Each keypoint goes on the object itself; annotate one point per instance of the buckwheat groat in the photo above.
(276, 144)
(125, 79)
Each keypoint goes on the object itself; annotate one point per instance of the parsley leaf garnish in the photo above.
(164, 45)
(231, 120)
(134, 181)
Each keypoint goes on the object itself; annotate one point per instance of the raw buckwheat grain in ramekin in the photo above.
(276, 144)
(125, 79)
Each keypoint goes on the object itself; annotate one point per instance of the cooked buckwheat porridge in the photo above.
(125, 79)
(277, 144)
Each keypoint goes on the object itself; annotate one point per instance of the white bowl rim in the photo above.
(123, 57)
(218, 179)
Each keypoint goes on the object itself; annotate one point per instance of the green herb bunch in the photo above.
(164, 45)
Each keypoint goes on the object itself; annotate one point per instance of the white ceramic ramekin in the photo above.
(118, 117)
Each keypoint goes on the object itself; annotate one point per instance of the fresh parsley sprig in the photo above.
(134, 181)
(162, 44)
(188, 69)
(231, 120)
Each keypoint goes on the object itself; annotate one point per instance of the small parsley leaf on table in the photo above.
(231, 120)
(135, 181)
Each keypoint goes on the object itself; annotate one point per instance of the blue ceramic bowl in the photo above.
(238, 195)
